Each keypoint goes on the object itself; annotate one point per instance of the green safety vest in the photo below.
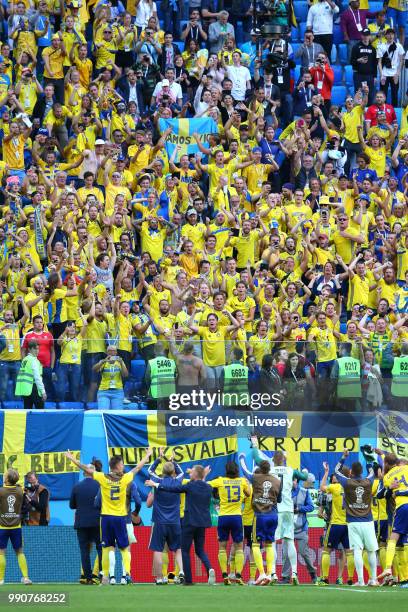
(162, 377)
(399, 385)
(25, 377)
(235, 391)
(349, 382)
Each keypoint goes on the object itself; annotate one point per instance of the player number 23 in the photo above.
(114, 493)
(233, 493)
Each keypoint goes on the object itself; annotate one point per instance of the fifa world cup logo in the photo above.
(266, 487)
(11, 500)
(359, 495)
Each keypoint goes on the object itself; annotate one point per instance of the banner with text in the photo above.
(36, 441)
(393, 433)
(182, 134)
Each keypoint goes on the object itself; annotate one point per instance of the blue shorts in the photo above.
(400, 522)
(248, 535)
(114, 531)
(337, 534)
(323, 368)
(264, 527)
(399, 18)
(381, 530)
(230, 525)
(14, 535)
(166, 533)
(402, 540)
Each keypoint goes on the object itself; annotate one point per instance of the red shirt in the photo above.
(371, 114)
(325, 78)
(45, 341)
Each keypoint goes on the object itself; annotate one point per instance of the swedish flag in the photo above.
(182, 134)
(36, 441)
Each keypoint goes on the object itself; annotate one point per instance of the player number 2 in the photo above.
(233, 493)
(114, 493)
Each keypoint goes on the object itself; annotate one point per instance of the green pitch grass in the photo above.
(202, 598)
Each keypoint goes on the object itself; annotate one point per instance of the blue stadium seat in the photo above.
(348, 70)
(71, 406)
(338, 73)
(398, 112)
(301, 10)
(50, 405)
(302, 30)
(339, 93)
(296, 75)
(375, 6)
(137, 369)
(91, 406)
(239, 32)
(295, 47)
(295, 35)
(337, 35)
(342, 53)
(13, 405)
(180, 44)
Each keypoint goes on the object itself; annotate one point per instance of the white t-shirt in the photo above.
(239, 76)
(394, 56)
(143, 13)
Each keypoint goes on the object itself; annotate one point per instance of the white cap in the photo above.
(165, 82)
(99, 141)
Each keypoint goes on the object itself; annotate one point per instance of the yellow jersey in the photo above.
(400, 474)
(378, 506)
(338, 515)
(113, 492)
(232, 492)
(248, 511)
(213, 345)
(71, 350)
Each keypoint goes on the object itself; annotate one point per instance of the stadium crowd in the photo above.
(277, 255)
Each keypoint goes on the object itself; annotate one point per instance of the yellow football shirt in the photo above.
(338, 516)
(113, 492)
(232, 492)
(400, 474)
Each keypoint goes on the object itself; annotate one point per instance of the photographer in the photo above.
(323, 78)
(37, 498)
(113, 370)
(279, 66)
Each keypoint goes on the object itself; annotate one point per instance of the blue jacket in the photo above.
(198, 499)
(302, 502)
(82, 501)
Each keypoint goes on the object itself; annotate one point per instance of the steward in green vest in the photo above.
(235, 376)
(348, 374)
(399, 385)
(29, 383)
(161, 375)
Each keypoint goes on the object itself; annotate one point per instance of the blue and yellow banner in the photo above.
(36, 441)
(130, 435)
(182, 134)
